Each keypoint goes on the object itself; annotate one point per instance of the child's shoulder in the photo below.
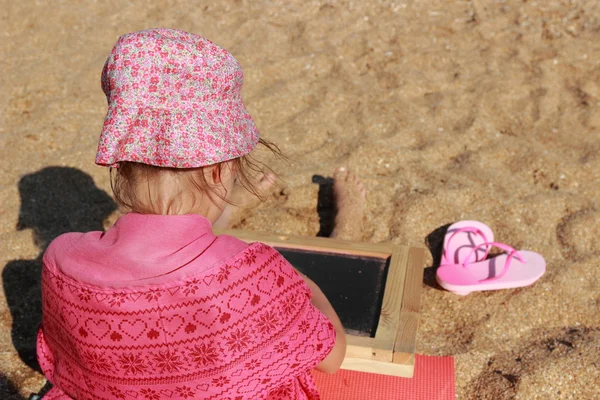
(248, 253)
(240, 248)
(65, 244)
(257, 255)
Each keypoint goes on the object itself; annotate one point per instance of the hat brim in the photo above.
(202, 134)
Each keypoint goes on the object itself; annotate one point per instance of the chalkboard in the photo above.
(374, 287)
(353, 284)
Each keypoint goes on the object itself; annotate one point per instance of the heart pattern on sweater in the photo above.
(70, 317)
(237, 318)
(267, 283)
(172, 324)
(133, 328)
(207, 316)
(238, 301)
(99, 328)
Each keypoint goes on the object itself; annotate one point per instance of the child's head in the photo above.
(176, 129)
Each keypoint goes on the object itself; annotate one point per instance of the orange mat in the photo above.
(433, 380)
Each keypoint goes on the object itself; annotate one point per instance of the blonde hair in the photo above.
(125, 180)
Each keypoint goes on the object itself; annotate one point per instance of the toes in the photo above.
(340, 174)
(361, 186)
(349, 179)
(362, 190)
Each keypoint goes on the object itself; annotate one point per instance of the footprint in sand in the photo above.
(578, 234)
(530, 371)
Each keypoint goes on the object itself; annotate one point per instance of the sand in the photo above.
(447, 110)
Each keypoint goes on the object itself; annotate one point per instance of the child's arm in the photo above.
(334, 359)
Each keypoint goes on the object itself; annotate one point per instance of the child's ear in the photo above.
(216, 174)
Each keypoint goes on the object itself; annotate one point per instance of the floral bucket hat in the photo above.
(174, 100)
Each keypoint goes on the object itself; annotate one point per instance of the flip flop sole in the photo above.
(465, 279)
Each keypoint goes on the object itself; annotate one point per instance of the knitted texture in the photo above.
(242, 330)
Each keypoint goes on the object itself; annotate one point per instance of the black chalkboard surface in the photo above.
(353, 284)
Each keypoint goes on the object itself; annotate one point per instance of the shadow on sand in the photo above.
(325, 205)
(54, 200)
(435, 243)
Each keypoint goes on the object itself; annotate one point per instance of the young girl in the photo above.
(158, 307)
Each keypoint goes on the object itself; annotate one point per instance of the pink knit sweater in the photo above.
(160, 308)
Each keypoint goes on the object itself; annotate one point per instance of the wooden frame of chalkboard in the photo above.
(391, 350)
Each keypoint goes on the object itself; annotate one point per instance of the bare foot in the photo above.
(240, 197)
(349, 194)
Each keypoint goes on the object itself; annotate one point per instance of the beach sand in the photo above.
(447, 110)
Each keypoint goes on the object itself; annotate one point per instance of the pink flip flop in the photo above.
(509, 270)
(461, 237)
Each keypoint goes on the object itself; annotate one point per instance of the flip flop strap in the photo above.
(470, 230)
(511, 253)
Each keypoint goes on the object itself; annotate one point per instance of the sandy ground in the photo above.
(447, 110)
